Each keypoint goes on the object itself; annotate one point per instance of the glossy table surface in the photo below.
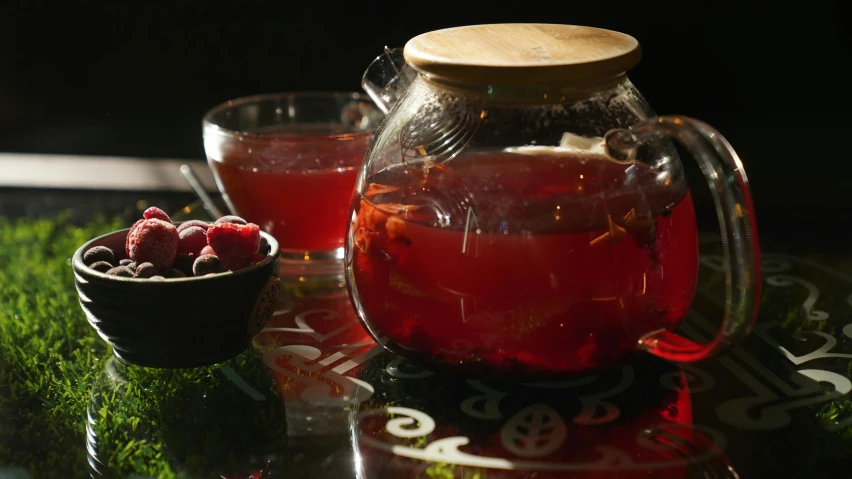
(777, 405)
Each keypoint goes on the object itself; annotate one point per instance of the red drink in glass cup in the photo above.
(288, 163)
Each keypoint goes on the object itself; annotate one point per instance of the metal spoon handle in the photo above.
(211, 208)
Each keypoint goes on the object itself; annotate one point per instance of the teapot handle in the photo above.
(387, 79)
(728, 183)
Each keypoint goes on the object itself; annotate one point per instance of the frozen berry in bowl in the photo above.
(154, 241)
(99, 253)
(234, 244)
(101, 266)
(122, 271)
(183, 262)
(170, 250)
(230, 219)
(189, 224)
(264, 246)
(146, 270)
(156, 213)
(173, 273)
(207, 264)
(192, 240)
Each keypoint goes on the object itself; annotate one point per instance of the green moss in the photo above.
(443, 470)
(221, 420)
(49, 355)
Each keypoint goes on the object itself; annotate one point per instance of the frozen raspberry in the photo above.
(120, 271)
(125, 262)
(264, 247)
(206, 250)
(183, 263)
(146, 270)
(206, 264)
(98, 253)
(101, 266)
(234, 244)
(192, 240)
(230, 219)
(173, 273)
(191, 223)
(156, 213)
(153, 241)
(131, 234)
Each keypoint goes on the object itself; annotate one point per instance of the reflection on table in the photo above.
(354, 410)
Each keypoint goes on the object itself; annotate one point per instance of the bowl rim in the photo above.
(78, 265)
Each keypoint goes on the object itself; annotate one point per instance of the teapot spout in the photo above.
(387, 78)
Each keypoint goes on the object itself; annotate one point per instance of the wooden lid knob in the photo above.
(522, 53)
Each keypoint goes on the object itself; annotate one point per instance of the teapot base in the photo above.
(481, 365)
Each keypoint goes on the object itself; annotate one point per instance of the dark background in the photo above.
(134, 78)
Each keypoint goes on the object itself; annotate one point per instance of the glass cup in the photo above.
(288, 162)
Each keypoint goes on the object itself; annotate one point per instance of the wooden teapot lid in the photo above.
(522, 53)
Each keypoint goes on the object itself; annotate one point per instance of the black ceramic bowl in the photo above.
(181, 322)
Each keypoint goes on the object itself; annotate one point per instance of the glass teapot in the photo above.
(522, 212)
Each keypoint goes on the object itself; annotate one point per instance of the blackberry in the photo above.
(264, 247)
(183, 263)
(230, 219)
(101, 266)
(189, 224)
(122, 271)
(132, 266)
(125, 261)
(146, 270)
(192, 240)
(173, 273)
(207, 264)
(98, 253)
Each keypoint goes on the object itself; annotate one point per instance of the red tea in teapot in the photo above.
(533, 262)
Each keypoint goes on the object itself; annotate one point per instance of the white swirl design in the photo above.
(396, 365)
(446, 450)
(829, 342)
(810, 313)
(425, 424)
(594, 403)
(490, 400)
(303, 327)
(534, 431)
(775, 265)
